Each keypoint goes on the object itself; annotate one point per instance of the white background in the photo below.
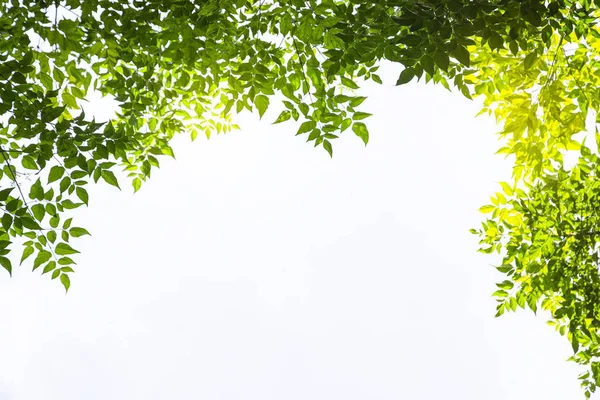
(256, 267)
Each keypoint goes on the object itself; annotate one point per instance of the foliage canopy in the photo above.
(183, 66)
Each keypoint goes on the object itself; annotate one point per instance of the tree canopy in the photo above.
(183, 66)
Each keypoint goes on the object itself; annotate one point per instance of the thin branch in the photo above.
(14, 177)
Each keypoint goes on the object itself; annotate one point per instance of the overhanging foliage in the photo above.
(185, 67)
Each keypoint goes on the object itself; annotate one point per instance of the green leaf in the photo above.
(306, 126)
(63, 249)
(38, 211)
(54, 221)
(65, 261)
(441, 60)
(462, 55)
(284, 116)
(27, 251)
(110, 178)
(64, 279)
(332, 41)
(262, 103)
(49, 267)
(77, 232)
(41, 258)
(574, 343)
(12, 205)
(65, 183)
(82, 194)
(533, 17)
(495, 41)
(56, 173)
(19, 78)
(286, 25)
(530, 60)
(4, 193)
(7, 220)
(67, 223)
(349, 83)
(357, 116)
(36, 191)
(50, 114)
(357, 101)
(328, 147)
(168, 151)
(29, 223)
(360, 130)
(345, 124)
(428, 64)
(51, 209)
(69, 204)
(314, 134)
(406, 76)
(49, 195)
(506, 285)
(29, 163)
(70, 100)
(6, 264)
(27, 58)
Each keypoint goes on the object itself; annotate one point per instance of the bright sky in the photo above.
(256, 267)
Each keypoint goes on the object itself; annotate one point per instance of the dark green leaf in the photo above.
(7, 221)
(462, 55)
(406, 76)
(29, 223)
(6, 264)
(4, 193)
(530, 59)
(441, 60)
